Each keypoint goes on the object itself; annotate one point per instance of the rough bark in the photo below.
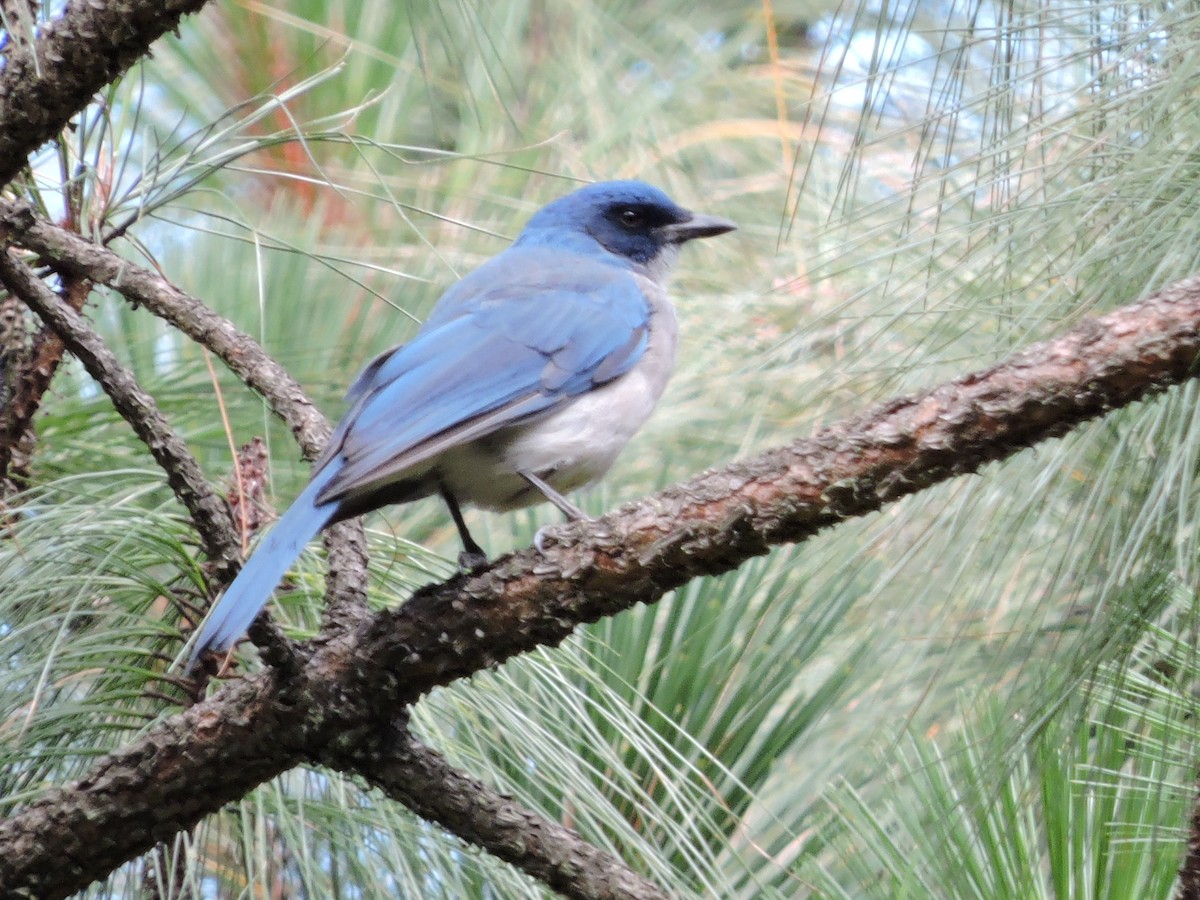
(81, 258)
(421, 779)
(331, 705)
(46, 81)
(343, 696)
(209, 513)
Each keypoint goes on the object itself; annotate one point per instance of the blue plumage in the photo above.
(526, 381)
(272, 558)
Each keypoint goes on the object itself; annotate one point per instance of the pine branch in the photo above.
(28, 363)
(245, 357)
(83, 259)
(348, 692)
(184, 475)
(46, 81)
(420, 778)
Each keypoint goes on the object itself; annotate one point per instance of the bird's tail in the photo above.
(253, 586)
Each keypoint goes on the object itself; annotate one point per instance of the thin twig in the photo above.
(209, 513)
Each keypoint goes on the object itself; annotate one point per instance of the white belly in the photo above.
(573, 445)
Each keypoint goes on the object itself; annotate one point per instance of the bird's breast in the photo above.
(572, 444)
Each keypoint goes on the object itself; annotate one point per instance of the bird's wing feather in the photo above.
(358, 389)
(514, 350)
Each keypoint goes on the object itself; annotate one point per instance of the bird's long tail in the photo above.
(274, 556)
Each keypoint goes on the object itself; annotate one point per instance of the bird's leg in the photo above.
(569, 509)
(472, 558)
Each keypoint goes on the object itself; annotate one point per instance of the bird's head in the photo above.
(632, 221)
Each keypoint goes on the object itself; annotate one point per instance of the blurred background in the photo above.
(987, 690)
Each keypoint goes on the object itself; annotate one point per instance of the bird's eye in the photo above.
(631, 218)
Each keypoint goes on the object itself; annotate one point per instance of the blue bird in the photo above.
(529, 377)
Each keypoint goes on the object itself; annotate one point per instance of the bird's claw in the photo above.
(472, 561)
(545, 533)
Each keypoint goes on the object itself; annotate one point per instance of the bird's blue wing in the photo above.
(519, 341)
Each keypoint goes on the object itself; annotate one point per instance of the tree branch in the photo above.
(205, 738)
(245, 357)
(142, 287)
(34, 359)
(45, 82)
(356, 681)
(217, 534)
(420, 778)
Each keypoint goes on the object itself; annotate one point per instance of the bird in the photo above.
(525, 382)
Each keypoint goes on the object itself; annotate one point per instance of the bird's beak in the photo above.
(697, 226)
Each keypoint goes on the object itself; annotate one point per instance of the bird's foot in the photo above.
(542, 535)
(472, 561)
